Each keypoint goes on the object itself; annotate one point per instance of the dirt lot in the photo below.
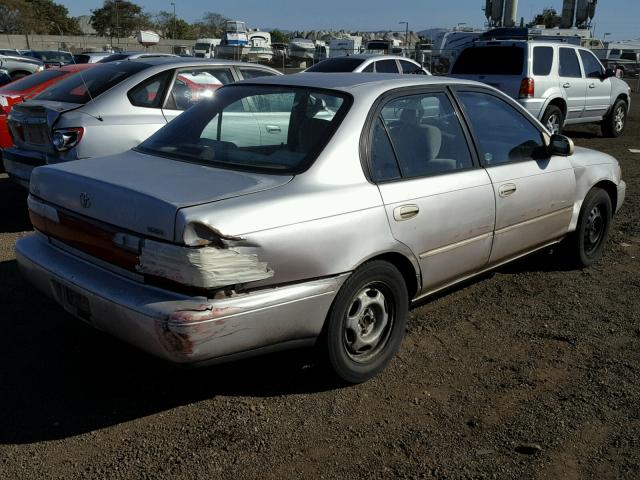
(530, 373)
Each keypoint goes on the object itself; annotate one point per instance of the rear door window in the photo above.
(195, 84)
(248, 73)
(490, 60)
(408, 67)
(569, 66)
(387, 66)
(149, 94)
(542, 60)
(592, 67)
(369, 68)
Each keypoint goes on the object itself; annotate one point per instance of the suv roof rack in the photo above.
(505, 33)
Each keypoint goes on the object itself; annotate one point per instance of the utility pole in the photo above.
(406, 34)
(174, 19)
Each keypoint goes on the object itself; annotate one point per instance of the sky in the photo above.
(621, 18)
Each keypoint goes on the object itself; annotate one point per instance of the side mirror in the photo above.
(608, 73)
(561, 146)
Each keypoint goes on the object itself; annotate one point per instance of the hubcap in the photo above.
(618, 118)
(594, 230)
(368, 323)
(553, 123)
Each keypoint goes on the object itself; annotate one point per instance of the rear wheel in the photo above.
(553, 119)
(586, 244)
(366, 322)
(614, 124)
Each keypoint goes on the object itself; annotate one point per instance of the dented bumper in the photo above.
(176, 327)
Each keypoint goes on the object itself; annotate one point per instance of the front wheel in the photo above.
(366, 322)
(614, 124)
(586, 244)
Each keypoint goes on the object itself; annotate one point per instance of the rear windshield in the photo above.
(97, 80)
(53, 56)
(490, 60)
(342, 64)
(273, 129)
(114, 58)
(36, 79)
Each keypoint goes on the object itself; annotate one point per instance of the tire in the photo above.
(553, 117)
(356, 355)
(615, 122)
(586, 244)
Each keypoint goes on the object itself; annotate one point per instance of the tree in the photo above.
(549, 18)
(163, 24)
(211, 25)
(278, 37)
(119, 18)
(43, 17)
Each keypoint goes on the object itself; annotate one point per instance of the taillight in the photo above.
(527, 88)
(66, 138)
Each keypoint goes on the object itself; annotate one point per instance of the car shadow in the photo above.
(582, 134)
(62, 378)
(13, 207)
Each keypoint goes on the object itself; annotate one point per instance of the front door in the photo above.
(534, 193)
(438, 202)
(598, 87)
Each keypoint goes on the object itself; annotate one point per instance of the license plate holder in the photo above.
(72, 301)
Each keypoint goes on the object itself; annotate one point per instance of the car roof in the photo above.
(181, 61)
(355, 82)
(373, 56)
(77, 67)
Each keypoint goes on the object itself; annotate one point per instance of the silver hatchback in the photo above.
(310, 209)
(112, 108)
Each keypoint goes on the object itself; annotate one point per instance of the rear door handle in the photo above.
(592, 85)
(405, 212)
(272, 128)
(507, 189)
(567, 85)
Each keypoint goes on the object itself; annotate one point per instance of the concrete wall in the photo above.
(78, 44)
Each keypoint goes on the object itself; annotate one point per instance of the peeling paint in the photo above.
(204, 267)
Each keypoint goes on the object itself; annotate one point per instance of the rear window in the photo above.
(341, 64)
(542, 60)
(490, 60)
(81, 58)
(34, 80)
(58, 57)
(98, 80)
(114, 58)
(272, 129)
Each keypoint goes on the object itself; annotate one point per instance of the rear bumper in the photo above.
(19, 164)
(172, 326)
(533, 105)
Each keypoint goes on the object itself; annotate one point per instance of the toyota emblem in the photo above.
(85, 200)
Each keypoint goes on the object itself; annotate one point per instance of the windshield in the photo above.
(495, 60)
(58, 57)
(341, 64)
(259, 128)
(202, 46)
(97, 80)
(28, 82)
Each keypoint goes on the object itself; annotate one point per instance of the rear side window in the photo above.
(368, 68)
(340, 64)
(255, 73)
(114, 58)
(542, 60)
(569, 66)
(592, 67)
(149, 93)
(490, 60)
(386, 66)
(408, 67)
(97, 80)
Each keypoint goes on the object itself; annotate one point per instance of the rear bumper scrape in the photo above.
(173, 326)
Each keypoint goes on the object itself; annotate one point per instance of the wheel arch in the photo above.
(408, 269)
(557, 102)
(605, 184)
(19, 72)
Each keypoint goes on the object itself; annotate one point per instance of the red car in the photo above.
(28, 87)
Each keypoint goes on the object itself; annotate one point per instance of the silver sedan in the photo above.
(310, 210)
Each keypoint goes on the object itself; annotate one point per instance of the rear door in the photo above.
(534, 193)
(572, 82)
(193, 84)
(437, 201)
(598, 87)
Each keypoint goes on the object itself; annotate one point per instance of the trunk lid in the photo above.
(31, 123)
(142, 193)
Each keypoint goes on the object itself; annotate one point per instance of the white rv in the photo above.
(205, 47)
(345, 46)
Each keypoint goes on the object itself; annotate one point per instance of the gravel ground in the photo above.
(531, 372)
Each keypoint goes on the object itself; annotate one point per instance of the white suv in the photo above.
(558, 83)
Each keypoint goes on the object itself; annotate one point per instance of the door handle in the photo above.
(592, 85)
(405, 212)
(272, 128)
(507, 189)
(567, 85)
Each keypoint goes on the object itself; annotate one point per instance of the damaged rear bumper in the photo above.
(172, 326)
